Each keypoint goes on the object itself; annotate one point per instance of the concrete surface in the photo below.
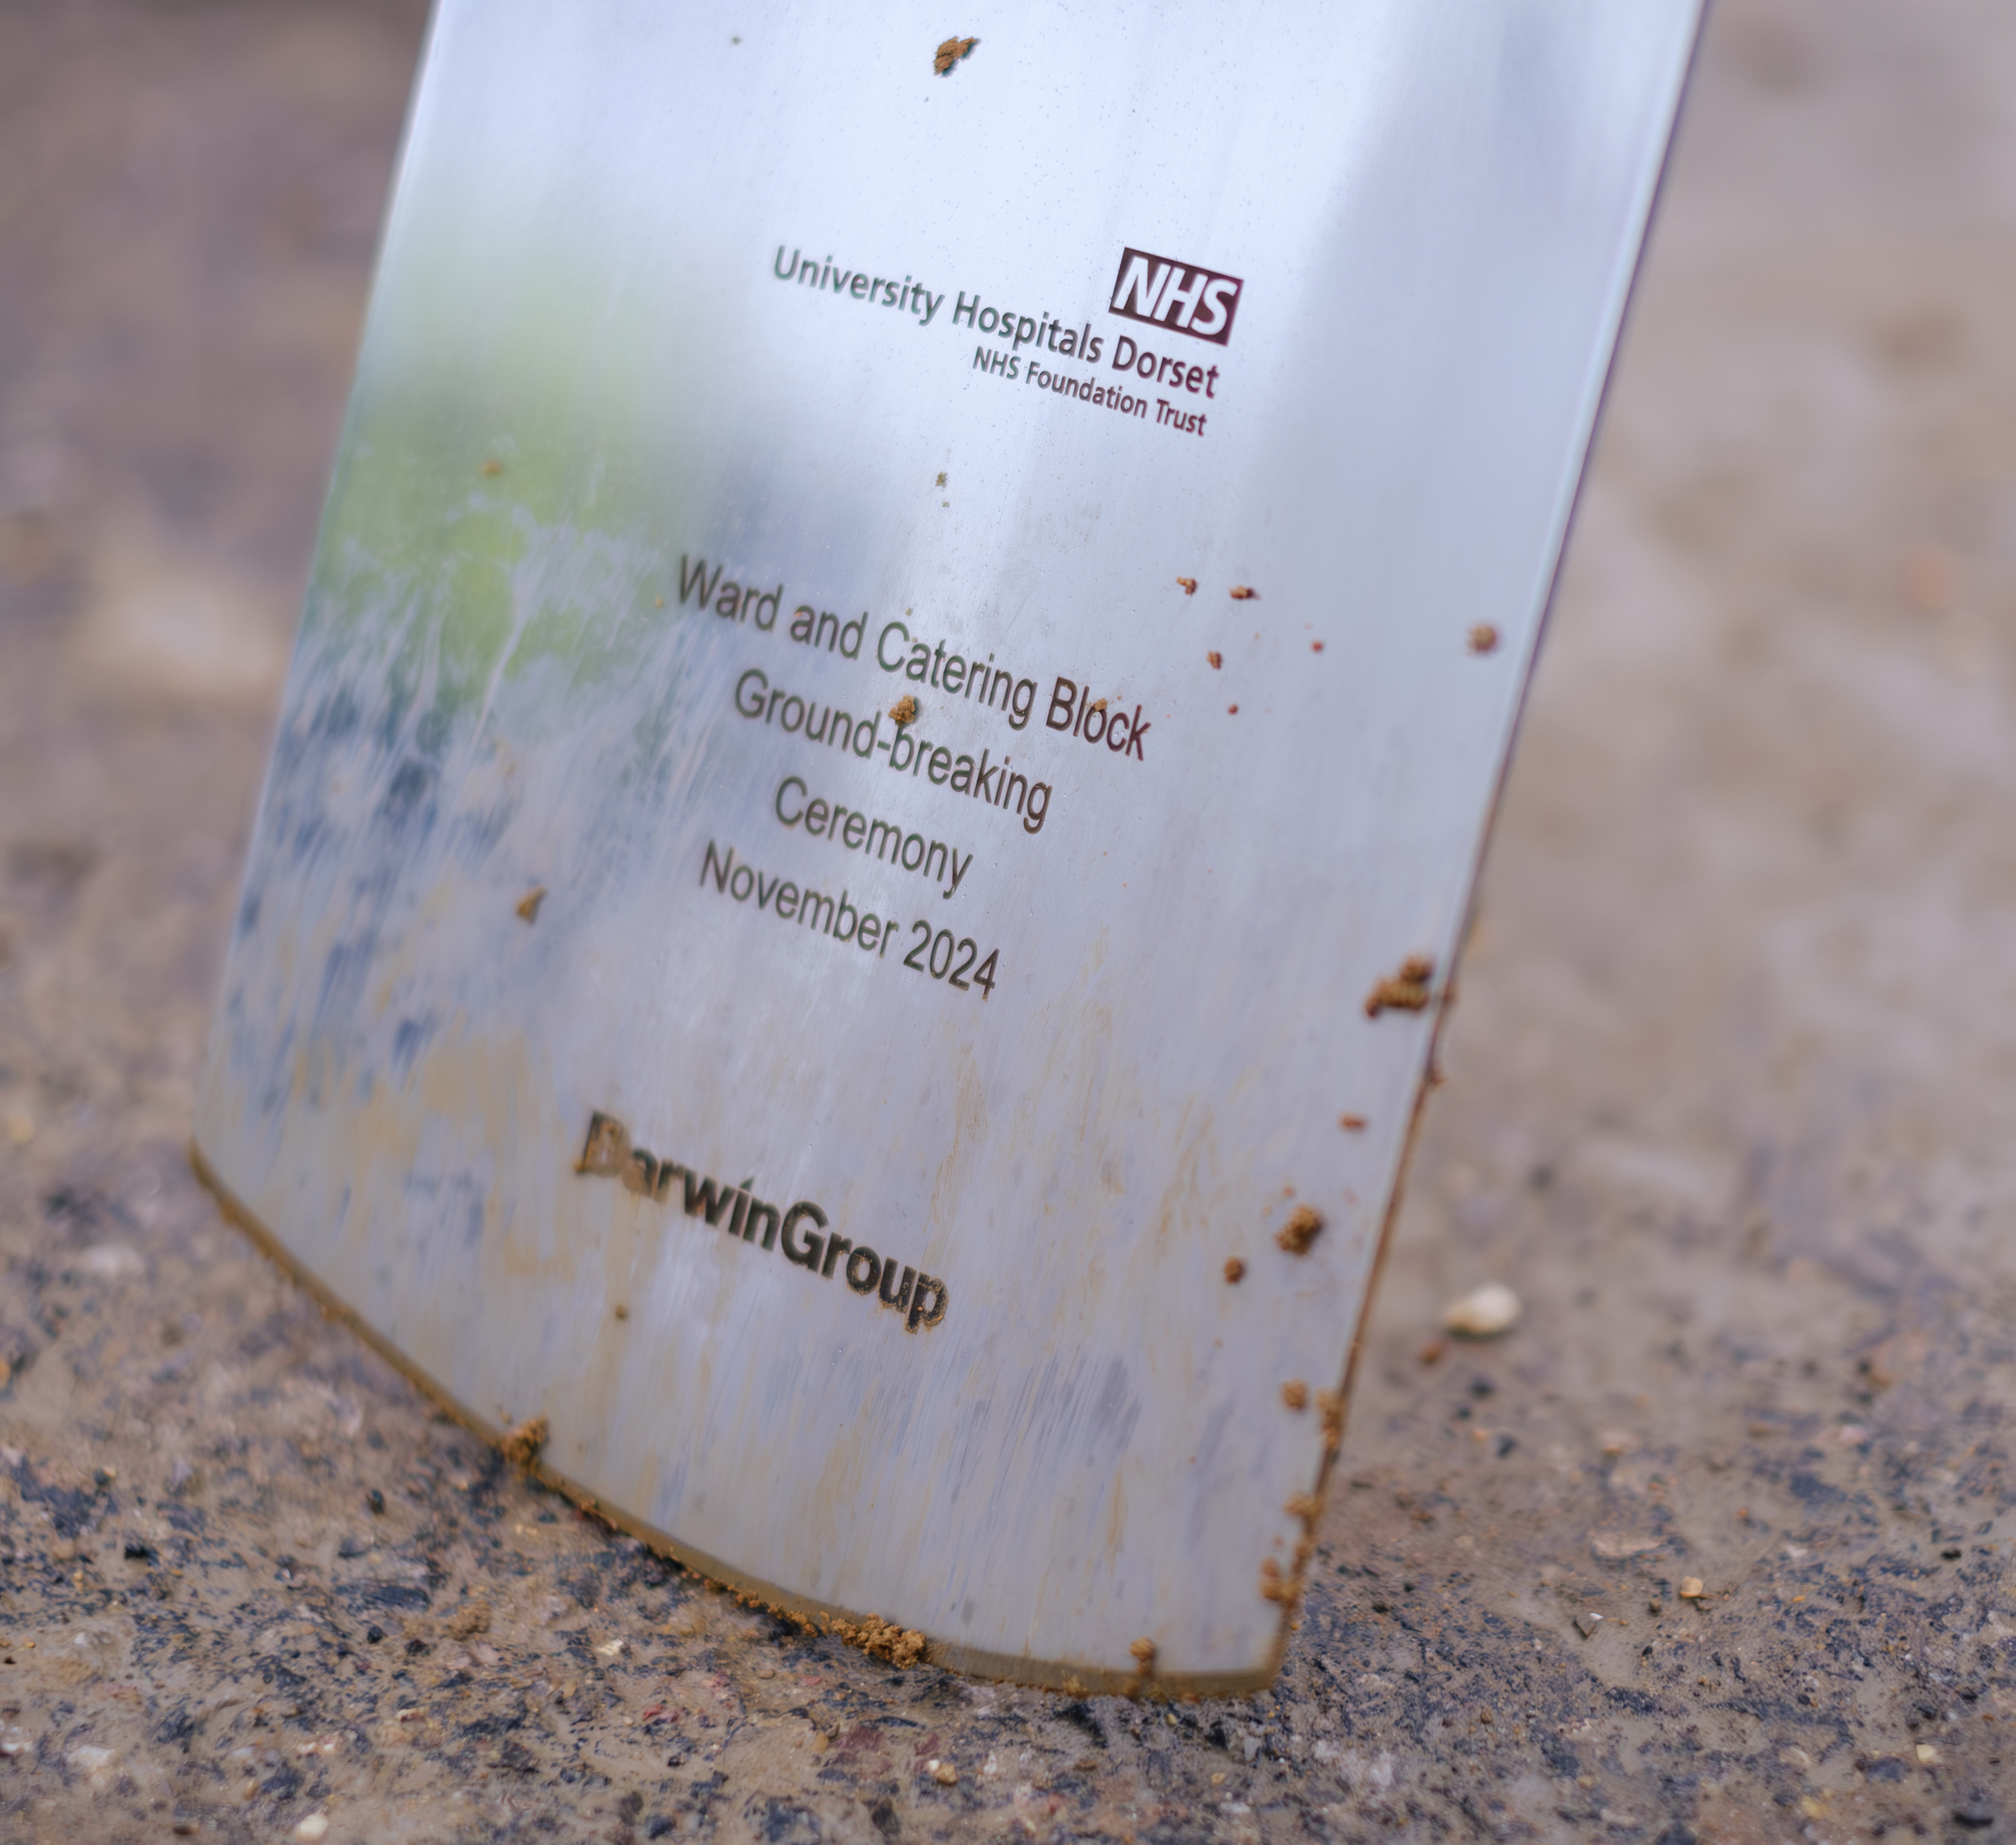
(1728, 1097)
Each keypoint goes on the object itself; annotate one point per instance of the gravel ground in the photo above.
(1728, 1101)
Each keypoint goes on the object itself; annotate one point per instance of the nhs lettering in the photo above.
(1163, 292)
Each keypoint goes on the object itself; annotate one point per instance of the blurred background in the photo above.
(1728, 1102)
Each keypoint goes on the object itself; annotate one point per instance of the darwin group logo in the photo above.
(1164, 293)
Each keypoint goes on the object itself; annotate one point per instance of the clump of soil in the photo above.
(521, 1447)
(1304, 1225)
(1406, 991)
(883, 1640)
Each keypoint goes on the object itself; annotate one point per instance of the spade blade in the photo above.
(906, 671)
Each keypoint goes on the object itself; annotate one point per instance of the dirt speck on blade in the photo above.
(1304, 1225)
(882, 1639)
(1406, 991)
(904, 710)
(528, 904)
(521, 1447)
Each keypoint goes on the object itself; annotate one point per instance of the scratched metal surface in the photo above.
(580, 369)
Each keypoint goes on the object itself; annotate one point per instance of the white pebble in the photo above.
(1484, 1311)
(313, 1827)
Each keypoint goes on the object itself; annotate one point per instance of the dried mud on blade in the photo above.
(888, 730)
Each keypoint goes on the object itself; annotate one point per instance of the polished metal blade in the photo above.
(910, 656)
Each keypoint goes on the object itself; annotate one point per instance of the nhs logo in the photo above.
(1164, 293)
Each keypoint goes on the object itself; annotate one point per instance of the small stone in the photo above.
(943, 1773)
(1976, 1815)
(1928, 1754)
(1586, 1624)
(904, 710)
(1483, 1313)
(1234, 1269)
(313, 1827)
(1690, 1588)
